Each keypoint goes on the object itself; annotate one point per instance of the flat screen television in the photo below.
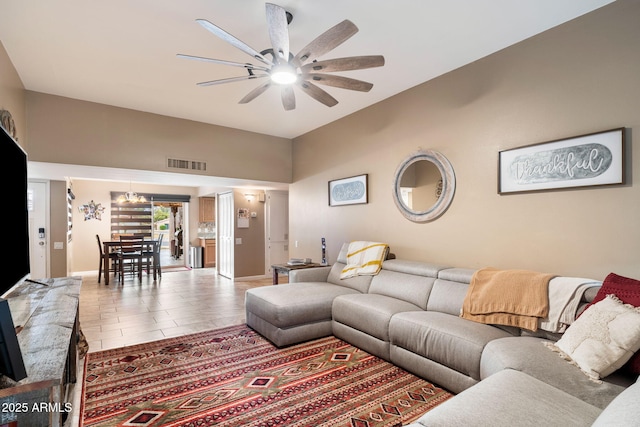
(16, 232)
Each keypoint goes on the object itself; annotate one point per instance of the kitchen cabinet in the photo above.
(207, 209)
(209, 255)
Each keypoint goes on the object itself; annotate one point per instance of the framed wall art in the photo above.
(581, 161)
(92, 210)
(348, 191)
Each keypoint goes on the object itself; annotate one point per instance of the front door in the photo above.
(37, 205)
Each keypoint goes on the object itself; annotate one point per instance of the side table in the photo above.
(286, 268)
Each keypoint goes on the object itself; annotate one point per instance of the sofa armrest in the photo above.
(315, 274)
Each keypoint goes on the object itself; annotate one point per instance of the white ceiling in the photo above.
(123, 52)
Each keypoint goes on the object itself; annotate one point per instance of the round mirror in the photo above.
(424, 184)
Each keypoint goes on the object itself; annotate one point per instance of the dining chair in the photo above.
(113, 261)
(131, 255)
(152, 257)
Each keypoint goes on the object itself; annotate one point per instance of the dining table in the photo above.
(111, 245)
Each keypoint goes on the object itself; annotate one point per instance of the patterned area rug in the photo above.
(234, 377)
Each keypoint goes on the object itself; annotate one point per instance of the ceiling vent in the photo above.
(186, 164)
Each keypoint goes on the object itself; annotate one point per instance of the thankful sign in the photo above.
(594, 159)
(578, 162)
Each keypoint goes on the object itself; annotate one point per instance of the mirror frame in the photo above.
(448, 186)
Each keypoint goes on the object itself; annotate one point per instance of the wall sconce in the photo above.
(249, 196)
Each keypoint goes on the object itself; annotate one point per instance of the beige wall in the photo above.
(575, 79)
(12, 95)
(12, 98)
(64, 130)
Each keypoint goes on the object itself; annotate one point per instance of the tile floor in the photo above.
(180, 303)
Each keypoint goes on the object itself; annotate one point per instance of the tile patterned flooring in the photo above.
(182, 302)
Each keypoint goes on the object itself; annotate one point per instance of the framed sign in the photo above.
(581, 161)
(348, 191)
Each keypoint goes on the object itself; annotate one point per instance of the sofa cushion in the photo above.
(511, 398)
(447, 296)
(295, 303)
(603, 338)
(369, 313)
(395, 282)
(357, 283)
(462, 275)
(417, 268)
(446, 339)
(529, 355)
(623, 411)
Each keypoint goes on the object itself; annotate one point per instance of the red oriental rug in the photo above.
(234, 377)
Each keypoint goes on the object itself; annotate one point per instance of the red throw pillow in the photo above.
(628, 290)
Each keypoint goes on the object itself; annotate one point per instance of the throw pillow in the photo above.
(628, 290)
(625, 288)
(603, 339)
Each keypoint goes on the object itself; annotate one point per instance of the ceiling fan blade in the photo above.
(288, 98)
(232, 79)
(233, 41)
(223, 62)
(341, 82)
(326, 41)
(318, 94)
(344, 64)
(278, 32)
(255, 93)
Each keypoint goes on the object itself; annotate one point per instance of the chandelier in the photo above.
(131, 197)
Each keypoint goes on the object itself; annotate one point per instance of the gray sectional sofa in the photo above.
(408, 314)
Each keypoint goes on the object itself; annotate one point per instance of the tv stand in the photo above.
(48, 316)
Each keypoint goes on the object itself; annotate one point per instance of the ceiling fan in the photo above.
(303, 70)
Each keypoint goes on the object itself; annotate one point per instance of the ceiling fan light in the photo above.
(283, 74)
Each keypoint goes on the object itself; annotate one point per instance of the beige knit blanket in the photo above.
(507, 297)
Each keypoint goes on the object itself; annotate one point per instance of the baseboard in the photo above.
(247, 278)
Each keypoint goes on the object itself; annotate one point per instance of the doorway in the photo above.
(277, 229)
(168, 225)
(225, 239)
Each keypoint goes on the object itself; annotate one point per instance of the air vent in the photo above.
(186, 164)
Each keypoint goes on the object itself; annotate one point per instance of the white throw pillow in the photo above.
(603, 338)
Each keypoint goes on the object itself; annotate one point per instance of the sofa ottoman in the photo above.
(296, 312)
